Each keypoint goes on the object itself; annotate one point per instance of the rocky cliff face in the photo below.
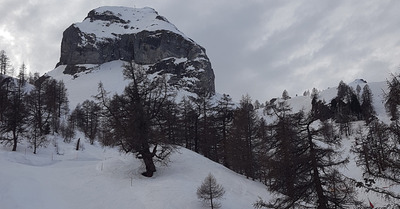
(141, 36)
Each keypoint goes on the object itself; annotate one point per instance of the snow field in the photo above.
(101, 177)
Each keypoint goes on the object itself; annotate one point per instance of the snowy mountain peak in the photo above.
(111, 22)
(110, 37)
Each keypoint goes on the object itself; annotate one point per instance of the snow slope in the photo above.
(98, 178)
(84, 85)
(377, 88)
(351, 170)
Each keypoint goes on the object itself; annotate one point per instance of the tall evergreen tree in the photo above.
(22, 74)
(224, 116)
(242, 137)
(346, 107)
(283, 156)
(367, 108)
(392, 99)
(344, 92)
(206, 137)
(4, 63)
(262, 143)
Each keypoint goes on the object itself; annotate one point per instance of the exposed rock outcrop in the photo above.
(139, 35)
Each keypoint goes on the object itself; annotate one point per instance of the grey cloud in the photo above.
(256, 47)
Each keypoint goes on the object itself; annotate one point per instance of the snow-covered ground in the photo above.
(84, 85)
(100, 177)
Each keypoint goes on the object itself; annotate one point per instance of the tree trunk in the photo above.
(196, 136)
(148, 162)
(15, 137)
(225, 145)
(77, 144)
(34, 145)
(211, 194)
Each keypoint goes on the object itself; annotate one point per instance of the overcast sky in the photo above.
(259, 47)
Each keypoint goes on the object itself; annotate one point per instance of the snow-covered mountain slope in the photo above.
(377, 88)
(84, 85)
(103, 178)
(351, 170)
